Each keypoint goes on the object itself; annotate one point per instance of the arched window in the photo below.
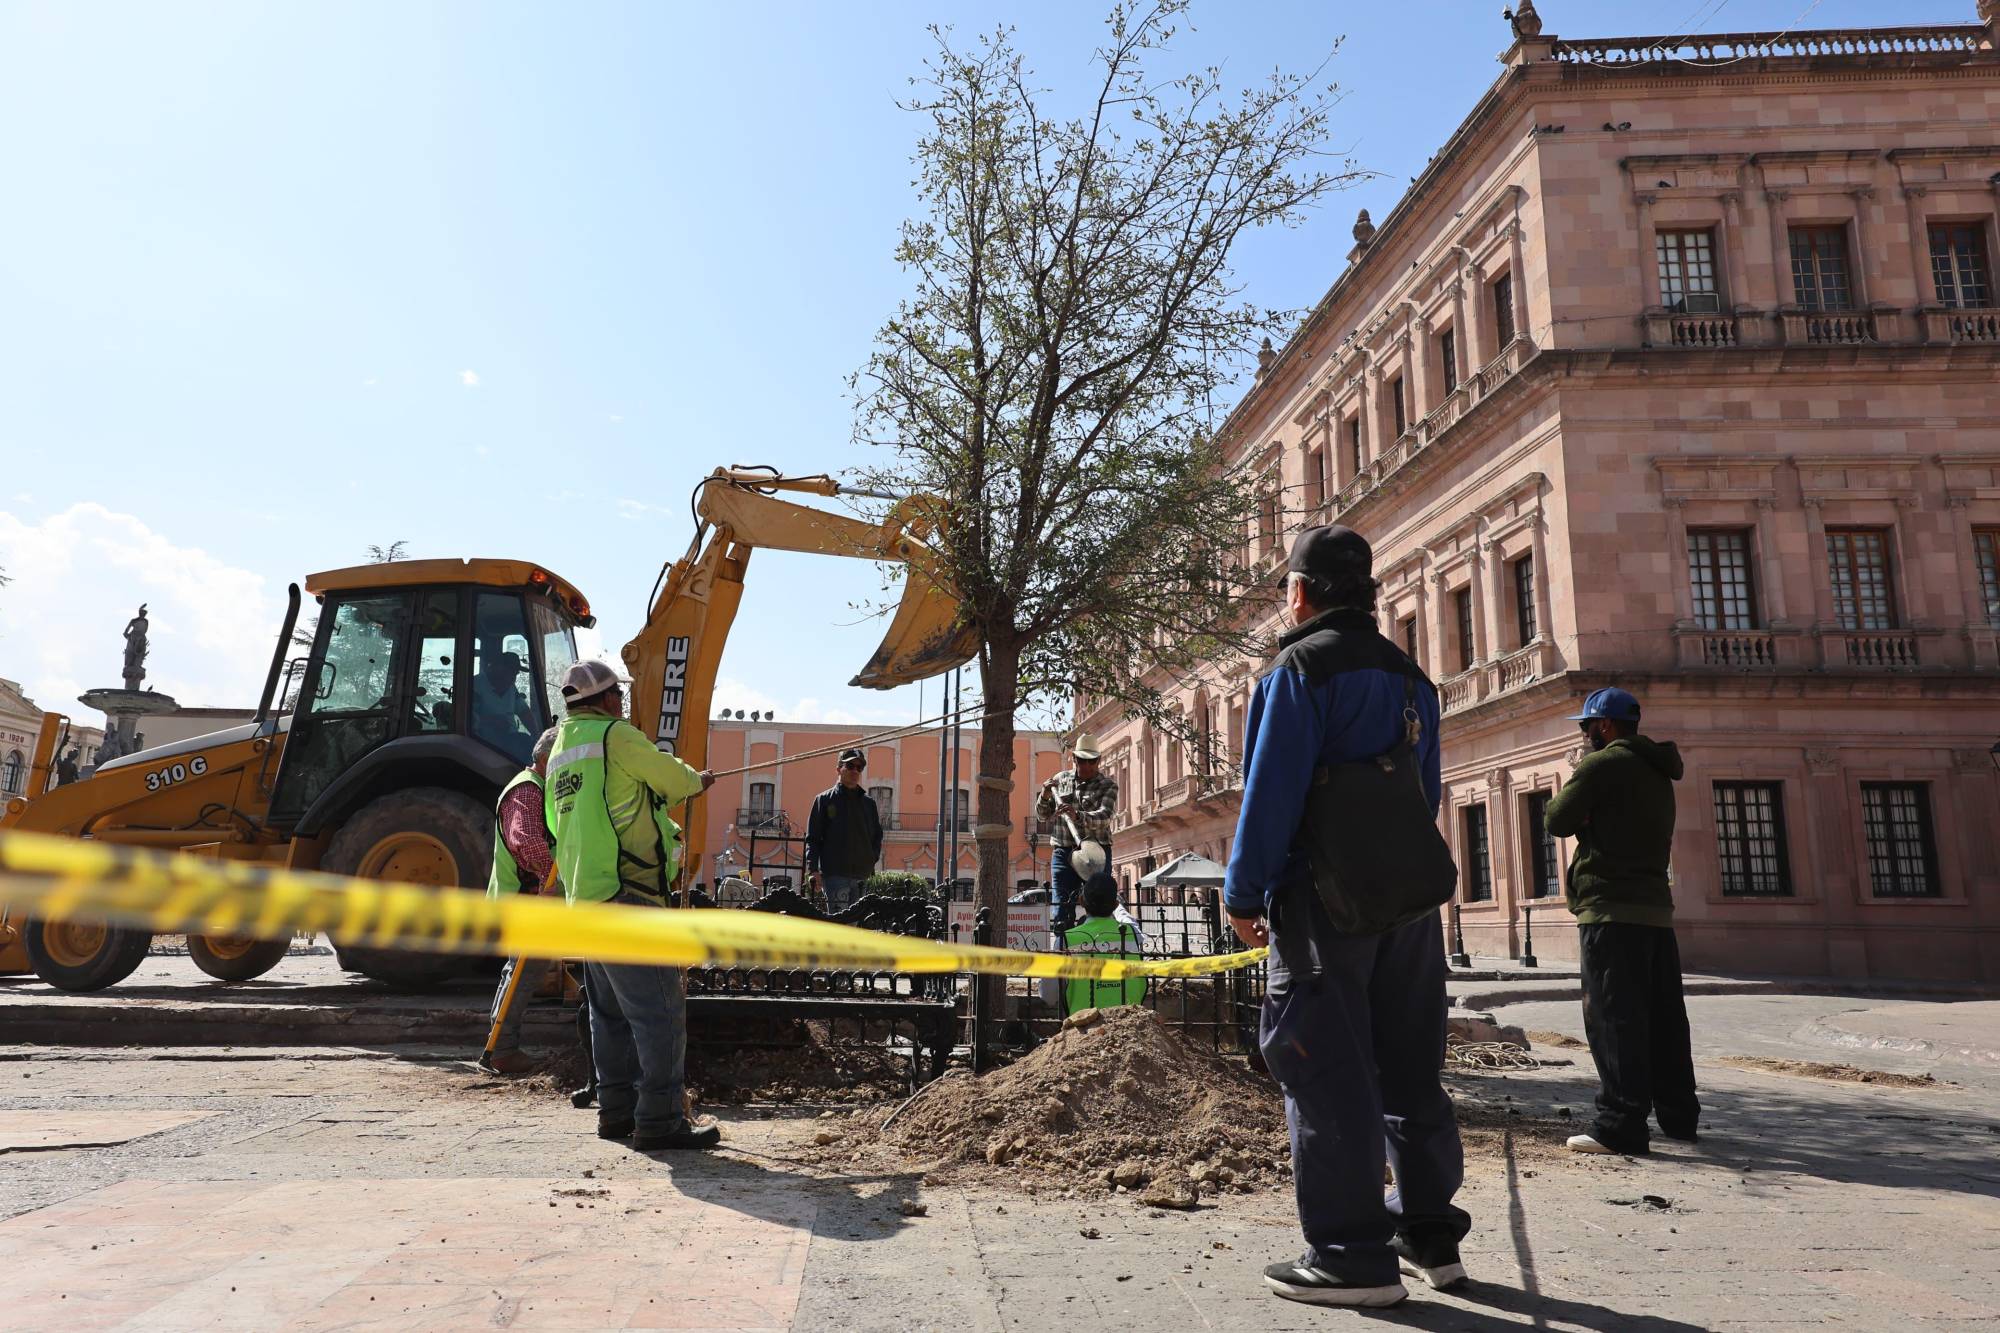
(14, 774)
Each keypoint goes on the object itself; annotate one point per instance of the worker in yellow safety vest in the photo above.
(607, 795)
(1103, 933)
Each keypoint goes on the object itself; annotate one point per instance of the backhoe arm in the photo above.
(674, 659)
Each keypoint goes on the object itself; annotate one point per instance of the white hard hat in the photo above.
(586, 680)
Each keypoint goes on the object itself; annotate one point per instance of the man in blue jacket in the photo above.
(1353, 1025)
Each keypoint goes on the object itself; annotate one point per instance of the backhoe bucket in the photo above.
(924, 639)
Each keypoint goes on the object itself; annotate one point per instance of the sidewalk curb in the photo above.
(1827, 1034)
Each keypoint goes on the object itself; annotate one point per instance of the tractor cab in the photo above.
(423, 673)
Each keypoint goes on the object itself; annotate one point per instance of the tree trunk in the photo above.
(999, 678)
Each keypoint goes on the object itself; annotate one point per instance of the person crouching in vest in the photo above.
(522, 859)
(1102, 933)
(608, 792)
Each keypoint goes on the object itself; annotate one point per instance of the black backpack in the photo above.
(1377, 858)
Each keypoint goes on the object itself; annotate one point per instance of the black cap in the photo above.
(853, 757)
(1326, 553)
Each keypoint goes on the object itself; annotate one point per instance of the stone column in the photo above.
(1910, 561)
(1366, 408)
(1544, 624)
(1500, 603)
(1463, 338)
(1677, 559)
(1867, 273)
(1517, 268)
(1482, 631)
(1734, 238)
(1443, 664)
(1816, 563)
(1417, 380)
(1920, 244)
(1771, 569)
(1649, 262)
(1781, 250)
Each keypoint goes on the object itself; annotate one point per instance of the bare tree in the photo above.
(1052, 373)
(302, 637)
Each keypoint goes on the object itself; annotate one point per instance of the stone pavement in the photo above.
(341, 1188)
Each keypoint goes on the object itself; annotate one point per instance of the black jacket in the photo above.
(1619, 806)
(843, 833)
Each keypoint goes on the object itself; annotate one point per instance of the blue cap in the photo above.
(1612, 703)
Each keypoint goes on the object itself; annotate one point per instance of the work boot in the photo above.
(516, 1061)
(684, 1135)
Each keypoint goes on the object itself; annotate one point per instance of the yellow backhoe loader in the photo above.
(425, 686)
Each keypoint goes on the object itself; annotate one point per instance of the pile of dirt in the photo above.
(1114, 1103)
(1831, 1073)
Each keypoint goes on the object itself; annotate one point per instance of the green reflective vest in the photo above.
(1102, 935)
(507, 876)
(590, 861)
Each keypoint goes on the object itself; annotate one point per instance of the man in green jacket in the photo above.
(1102, 933)
(1619, 806)
(608, 793)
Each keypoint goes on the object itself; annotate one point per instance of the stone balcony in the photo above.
(1781, 648)
(1497, 676)
(1792, 326)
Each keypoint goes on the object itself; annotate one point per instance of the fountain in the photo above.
(124, 707)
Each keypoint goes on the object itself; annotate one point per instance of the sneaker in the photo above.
(614, 1129)
(1436, 1263)
(1315, 1286)
(685, 1136)
(1585, 1143)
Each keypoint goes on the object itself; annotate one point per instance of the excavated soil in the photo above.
(1831, 1073)
(1122, 1105)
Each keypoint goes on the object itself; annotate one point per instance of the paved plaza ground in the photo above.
(390, 1187)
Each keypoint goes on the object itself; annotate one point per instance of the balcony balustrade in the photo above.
(1724, 48)
(1970, 324)
(1872, 650)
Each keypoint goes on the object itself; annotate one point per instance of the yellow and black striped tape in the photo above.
(52, 878)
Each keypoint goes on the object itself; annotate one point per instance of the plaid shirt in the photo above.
(1094, 799)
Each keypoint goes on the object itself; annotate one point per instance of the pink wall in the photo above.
(907, 766)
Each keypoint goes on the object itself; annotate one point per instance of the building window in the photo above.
(1986, 545)
(1410, 637)
(1316, 478)
(885, 804)
(1544, 867)
(14, 774)
(1687, 271)
(1958, 264)
(1819, 268)
(1461, 606)
(763, 803)
(1267, 522)
(961, 809)
(1902, 848)
(1750, 839)
(1401, 409)
(1858, 562)
(1524, 598)
(1354, 445)
(1448, 353)
(1503, 311)
(1478, 864)
(1719, 569)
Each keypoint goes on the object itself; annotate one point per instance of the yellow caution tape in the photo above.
(51, 878)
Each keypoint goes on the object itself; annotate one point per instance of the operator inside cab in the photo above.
(502, 714)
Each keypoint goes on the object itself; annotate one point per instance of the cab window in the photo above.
(435, 704)
(507, 711)
(558, 641)
(348, 704)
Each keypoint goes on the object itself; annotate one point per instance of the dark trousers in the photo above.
(1066, 885)
(1353, 1030)
(1636, 1020)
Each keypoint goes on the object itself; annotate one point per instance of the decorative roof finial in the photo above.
(1527, 23)
(1265, 356)
(1364, 229)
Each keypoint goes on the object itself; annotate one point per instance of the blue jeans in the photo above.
(840, 890)
(1353, 1030)
(638, 1045)
(1066, 885)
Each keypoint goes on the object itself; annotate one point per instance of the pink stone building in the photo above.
(763, 814)
(1678, 368)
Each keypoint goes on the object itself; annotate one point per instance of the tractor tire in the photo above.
(83, 955)
(235, 957)
(421, 835)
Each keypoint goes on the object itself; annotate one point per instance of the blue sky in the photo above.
(281, 281)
